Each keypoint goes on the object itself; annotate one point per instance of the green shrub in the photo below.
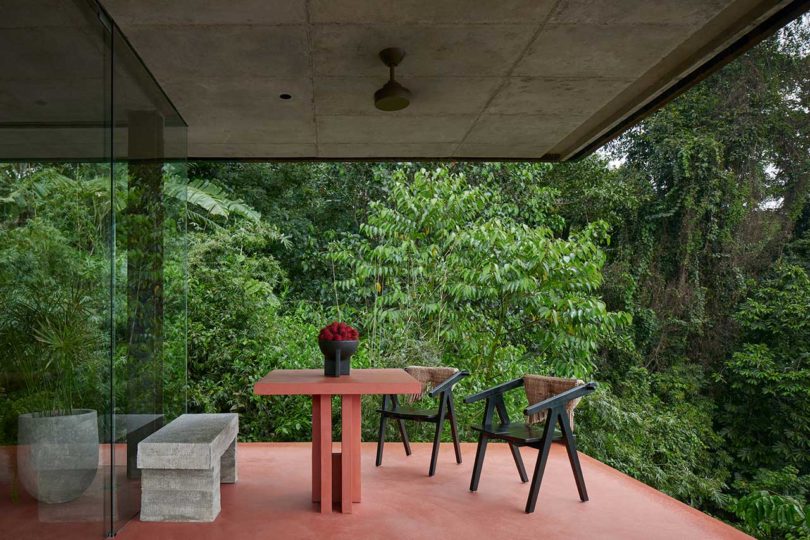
(774, 504)
(668, 445)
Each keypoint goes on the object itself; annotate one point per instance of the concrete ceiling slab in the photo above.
(258, 150)
(222, 101)
(82, 103)
(221, 51)
(209, 12)
(429, 12)
(432, 50)
(573, 98)
(292, 130)
(682, 12)
(513, 79)
(375, 150)
(598, 50)
(392, 129)
(520, 130)
(29, 54)
(39, 14)
(497, 152)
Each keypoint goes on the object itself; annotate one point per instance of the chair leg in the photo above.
(437, 439)
(480, 451)
(381, 440)
(519, 462)
(571, 447)
(504, 416)
(542, 459)
(404, 434)
(454, 430)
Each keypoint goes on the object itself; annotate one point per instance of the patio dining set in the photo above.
(184, 463)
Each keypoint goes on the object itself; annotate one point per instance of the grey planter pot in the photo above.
(57, 457)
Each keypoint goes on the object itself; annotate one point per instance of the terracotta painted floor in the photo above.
(272, 500)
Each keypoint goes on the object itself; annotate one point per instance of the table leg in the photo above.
(316, 449)
(324, 446)
(347, 445)
(356, 448)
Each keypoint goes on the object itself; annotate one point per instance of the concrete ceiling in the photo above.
(56, 72)
(507, 79)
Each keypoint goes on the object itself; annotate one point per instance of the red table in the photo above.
(313, 382)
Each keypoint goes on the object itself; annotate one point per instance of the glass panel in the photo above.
(55, 261)
(149, 304)
(92, 269)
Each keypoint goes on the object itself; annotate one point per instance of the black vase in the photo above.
(337, 356)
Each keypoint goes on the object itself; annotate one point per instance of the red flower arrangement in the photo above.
(338, 331)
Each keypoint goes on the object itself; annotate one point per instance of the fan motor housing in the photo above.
(392, 96)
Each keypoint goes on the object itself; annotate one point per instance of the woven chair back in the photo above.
(428, 377)
(540, 387)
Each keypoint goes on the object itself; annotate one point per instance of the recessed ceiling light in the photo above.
(285, 96)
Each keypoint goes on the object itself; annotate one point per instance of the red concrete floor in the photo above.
(23, 518)
(272, 500)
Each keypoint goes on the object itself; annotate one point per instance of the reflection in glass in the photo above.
(92, 269)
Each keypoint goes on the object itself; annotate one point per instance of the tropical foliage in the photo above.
(672, 267)
(443, 267)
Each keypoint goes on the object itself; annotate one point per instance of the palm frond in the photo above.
(208, 196)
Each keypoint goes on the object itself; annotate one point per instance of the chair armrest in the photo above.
(500, 389)
(448, 383)
(560, 399)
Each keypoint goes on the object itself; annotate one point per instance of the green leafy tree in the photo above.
(765, 413)
(441, 265)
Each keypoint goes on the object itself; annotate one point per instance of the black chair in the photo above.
(442, 381)
(559, 407)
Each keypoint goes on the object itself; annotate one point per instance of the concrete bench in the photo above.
(182, 465)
